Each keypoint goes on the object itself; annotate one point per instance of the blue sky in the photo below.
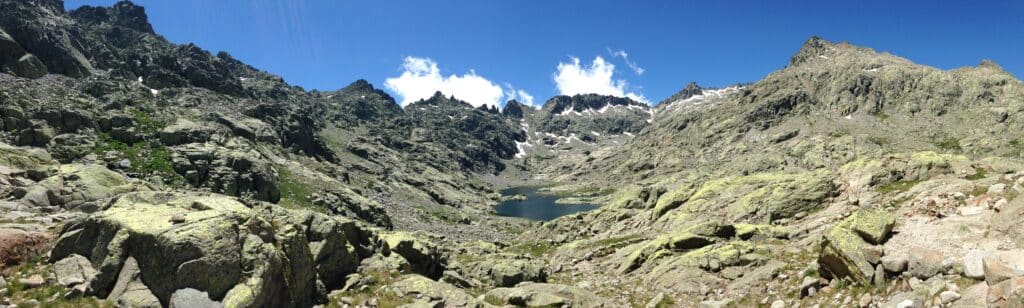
(501, 49)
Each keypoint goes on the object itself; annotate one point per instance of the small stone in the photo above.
(924, 263)
(894, 264)
(3, 282)
(177, 219)
(873, 253)
(951, 266)
(33, 282)
(915, 284)
(879, 278)
(909, 303)
(865, 300)
(779, 304)
(948, 297)
(996, 271)
(809, 286)
(76, 291)
(657, 301)
(973, 267)
(1000, 205)
(997, 188)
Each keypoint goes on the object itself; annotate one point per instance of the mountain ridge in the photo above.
(133, 170)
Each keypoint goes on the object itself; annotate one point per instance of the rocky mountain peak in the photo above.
(123, 14)
(986, 63)
(814, 47)
(692, 89)
(54, 5)
(513, 109)
(363, 88)
(582, 102)
(438, 99)
(360, 85)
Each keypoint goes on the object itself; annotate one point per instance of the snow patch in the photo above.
(707, 95)
(521, 149)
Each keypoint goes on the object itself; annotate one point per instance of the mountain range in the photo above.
(138, 172)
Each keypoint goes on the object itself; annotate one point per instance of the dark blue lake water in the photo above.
(537, 206)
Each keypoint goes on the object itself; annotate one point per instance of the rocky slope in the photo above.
(137, 172)
(849, 178)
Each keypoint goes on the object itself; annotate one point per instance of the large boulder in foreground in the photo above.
(20, 243)
(430, 293)
(842, 249)
(240, 255)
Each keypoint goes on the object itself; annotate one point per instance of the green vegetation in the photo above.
(949, 144)
(897, 187)
(377, 289)
(146, 124)
(979, 190)
(146, 158)
(881, 141)
(294, 193)
(979, 173)
(536, 249)
(614, 241)
(48, 296)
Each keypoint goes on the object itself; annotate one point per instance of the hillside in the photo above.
(137, 172)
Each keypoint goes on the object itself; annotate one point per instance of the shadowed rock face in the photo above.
(587, 113)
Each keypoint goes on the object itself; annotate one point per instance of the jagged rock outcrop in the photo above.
(585, 114)
(211, 243)
(843, 249)
(691, 90)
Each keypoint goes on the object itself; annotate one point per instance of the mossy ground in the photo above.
(146, 157)
(897, 187)
(294, 191)
(48, 296)
(375, 290)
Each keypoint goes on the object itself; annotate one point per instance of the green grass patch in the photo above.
(979, 173)
(535, 249)
(979, 190)
(881, 141)
(897, 187)
(294, 192)
(146, 157)
(377, 289)
(19, 292)
(614, 241)
(949, 144)
(147, 124)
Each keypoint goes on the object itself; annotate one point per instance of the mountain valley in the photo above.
(135, 172)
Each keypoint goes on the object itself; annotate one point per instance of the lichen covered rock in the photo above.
(843, 246)
(212, 243)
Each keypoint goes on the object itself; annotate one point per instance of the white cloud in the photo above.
(573, 78)
(517, 94)
(421, 78)
(625, 57)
